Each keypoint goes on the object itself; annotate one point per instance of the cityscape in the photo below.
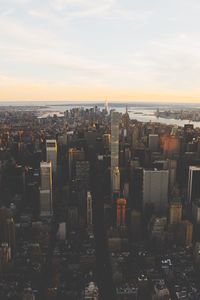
(99, 150)
(96, 205)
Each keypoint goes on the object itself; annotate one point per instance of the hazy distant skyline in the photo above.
(89, 49)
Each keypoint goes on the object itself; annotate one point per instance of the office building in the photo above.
(115, 119)
(193, 183)
(46, 175)
(74, 156)
(83, 172)
(153, 142)
(196, 210)
(171, 146)
(115, 180)
(155, 190)
(46, 208)
(89, 209)
(185, 233)
(7, 228)
(51, 154)
(175, 212)
(107, 141)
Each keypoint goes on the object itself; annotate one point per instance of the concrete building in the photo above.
(155, 190)
(107, 141)
(171, 146)
(194, 183)
(153, 142)
(46, 208)
(115, 180)
(51, 154)
(74, 156)
(196, 210)
(185, 233)
(115, 119)
(46, 175)
(89, 209)
(175, 212)
(83, 172)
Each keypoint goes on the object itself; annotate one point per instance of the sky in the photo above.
(97, 49)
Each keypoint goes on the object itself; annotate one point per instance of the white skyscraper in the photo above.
(51, 154)
(46, 189)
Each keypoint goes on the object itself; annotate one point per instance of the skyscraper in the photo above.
(46, 189)
(153, 142)
(89, 209)
(194, 183)
(175, 212)
(74, 156)
(51, 154)
(116, 180)
(155, 189)
(115, 118)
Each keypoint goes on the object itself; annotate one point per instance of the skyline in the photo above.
(88, 50)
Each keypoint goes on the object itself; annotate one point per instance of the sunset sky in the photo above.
(93, 49)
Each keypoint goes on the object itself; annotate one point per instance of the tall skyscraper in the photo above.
(106, 141)
(155, 189)
(46, 189)
(115, 118)
(116, 180)
(194, 183)
(89, 209)
(46, 175)
(51, 154)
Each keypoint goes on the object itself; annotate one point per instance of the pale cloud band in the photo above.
(87, 49)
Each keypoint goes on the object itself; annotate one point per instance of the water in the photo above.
(141, 111)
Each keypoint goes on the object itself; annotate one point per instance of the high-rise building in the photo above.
(175, 212)
(115, 180)
(121, 212)
(171, 146)
(89, 209)
(83, 172)
(46, 175)
(46, 189)
(196, 210)
(154, 142)
(51, 154)
(7, 228)
(74, 155)
(115, 118)
(155, 189)
(194, 183)
(185, 233)
(106, 141)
